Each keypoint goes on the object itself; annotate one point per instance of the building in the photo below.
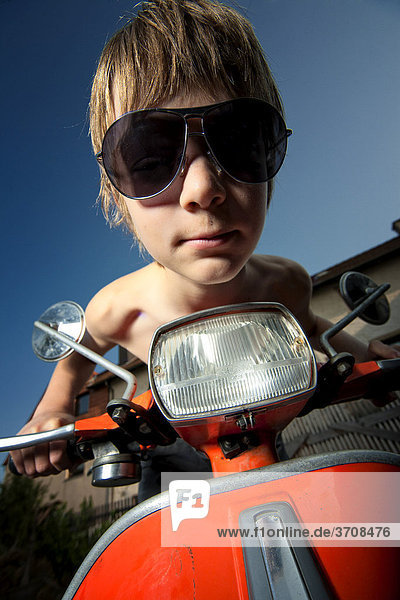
(359, 424)
(73, 487)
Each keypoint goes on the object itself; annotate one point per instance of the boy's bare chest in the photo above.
(139, 336)
(153, 312)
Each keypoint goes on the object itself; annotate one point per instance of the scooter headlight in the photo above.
(228, 359)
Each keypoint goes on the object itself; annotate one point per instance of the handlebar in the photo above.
(17, 442)
(367, 380)
(371, 379)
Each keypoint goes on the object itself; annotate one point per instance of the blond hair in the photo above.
(175, 47)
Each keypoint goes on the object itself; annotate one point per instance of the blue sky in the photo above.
(336, 63)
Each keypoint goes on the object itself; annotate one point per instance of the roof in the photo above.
(367, 258)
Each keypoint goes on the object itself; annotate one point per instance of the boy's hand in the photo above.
(377, 349)
(46, 459)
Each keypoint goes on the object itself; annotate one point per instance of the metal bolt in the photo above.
(120, 415)
(158, 370)
(241, 422)
(343, 369)
(246, 421)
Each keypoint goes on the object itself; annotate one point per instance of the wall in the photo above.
(360, 424)
(327, 302)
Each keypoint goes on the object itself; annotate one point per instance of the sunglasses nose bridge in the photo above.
(193, 128)
(197, 134)
(209, 152)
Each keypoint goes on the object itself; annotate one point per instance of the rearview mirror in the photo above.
(354, 288)
(66, 317)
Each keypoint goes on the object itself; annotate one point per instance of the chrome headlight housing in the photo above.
(229, 359)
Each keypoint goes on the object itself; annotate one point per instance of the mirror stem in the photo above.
(330, 351)
(125, 375)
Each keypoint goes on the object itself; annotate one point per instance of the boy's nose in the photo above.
(202, 185)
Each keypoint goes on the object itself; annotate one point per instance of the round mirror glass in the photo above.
(354, 288)
(67, 318)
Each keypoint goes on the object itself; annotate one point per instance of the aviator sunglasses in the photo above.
(143, 151)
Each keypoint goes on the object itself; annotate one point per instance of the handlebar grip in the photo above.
(73, 454)
(12, 468)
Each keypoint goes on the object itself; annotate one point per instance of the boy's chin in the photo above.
(212, 272)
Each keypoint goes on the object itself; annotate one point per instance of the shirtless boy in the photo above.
(200, 218)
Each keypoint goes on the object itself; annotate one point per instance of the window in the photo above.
(82, 404)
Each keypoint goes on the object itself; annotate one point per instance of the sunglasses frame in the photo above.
(198, 112)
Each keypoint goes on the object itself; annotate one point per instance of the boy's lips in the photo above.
(209, 240)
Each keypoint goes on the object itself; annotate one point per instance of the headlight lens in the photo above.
(211, 363)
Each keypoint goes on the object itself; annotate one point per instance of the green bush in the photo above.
(42, 543)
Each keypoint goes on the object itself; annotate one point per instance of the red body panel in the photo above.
(135, 565)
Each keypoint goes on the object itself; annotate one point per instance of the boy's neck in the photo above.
(188, 296)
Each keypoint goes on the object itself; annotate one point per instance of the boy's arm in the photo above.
(56, 408)
(344, 342)
(314, 325)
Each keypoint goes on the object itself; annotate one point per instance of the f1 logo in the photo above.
(190, 499)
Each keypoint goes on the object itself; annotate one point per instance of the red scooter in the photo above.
(227, 381)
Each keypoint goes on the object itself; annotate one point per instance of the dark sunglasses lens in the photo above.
(142, 152)
(248, 138)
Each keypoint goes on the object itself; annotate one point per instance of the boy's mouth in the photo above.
(209, 240)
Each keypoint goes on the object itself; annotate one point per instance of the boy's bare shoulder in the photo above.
(278, 270)
(285, 281)
(113, 310)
